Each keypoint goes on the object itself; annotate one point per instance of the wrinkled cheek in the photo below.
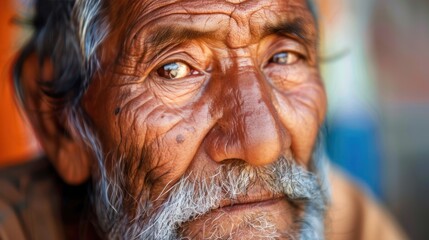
(158, 146)
(144, 147)
(304, 136)
(168, 157)
(300, 116)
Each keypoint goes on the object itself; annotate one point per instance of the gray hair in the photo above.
(69, 33)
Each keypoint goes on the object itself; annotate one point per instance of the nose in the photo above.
(248, 128)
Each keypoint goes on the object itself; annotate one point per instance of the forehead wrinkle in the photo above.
(162, 9)
(140, 40)
(294, 19)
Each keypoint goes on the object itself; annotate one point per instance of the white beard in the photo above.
(189, 199)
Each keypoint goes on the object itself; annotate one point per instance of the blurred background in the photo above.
(375, 63)
(375, 56)
(17, 144)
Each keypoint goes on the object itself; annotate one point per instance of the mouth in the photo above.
(235, 215)
(249, 201)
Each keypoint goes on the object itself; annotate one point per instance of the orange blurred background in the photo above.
(17, 143)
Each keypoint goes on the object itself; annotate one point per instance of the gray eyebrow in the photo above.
(296, 27)
(174, 34)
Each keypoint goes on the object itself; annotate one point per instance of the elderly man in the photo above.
(192, 119)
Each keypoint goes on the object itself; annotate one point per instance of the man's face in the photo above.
(190, 87)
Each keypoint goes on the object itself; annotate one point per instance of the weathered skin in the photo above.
(234, 102)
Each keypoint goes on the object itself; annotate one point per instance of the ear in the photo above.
(67, 153)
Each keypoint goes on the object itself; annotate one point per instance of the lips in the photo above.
(250, 200)
(235, 215)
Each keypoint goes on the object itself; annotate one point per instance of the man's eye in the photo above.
(285, 58)
(176, 70)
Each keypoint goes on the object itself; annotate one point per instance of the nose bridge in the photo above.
(253, 100)
(249, 128)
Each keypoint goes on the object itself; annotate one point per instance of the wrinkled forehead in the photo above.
(238, 22)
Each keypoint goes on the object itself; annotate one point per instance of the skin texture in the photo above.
(235, 102)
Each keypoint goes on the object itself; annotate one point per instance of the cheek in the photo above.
(165, 139)
(302, 111)
(155, 143)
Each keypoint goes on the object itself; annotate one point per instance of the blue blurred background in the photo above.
(375, 56)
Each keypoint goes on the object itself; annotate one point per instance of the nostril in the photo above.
(233, 161)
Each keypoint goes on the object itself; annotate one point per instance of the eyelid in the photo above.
(289, 44)
(155, 75)
(182, 57)
(299, 57)
(284, 44)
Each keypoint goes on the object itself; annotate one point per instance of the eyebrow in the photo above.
(297, 27)
(174, 34)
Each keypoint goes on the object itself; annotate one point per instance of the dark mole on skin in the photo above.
(180, 139)
(117, 110)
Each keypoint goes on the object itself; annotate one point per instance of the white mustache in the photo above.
(193, 197)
